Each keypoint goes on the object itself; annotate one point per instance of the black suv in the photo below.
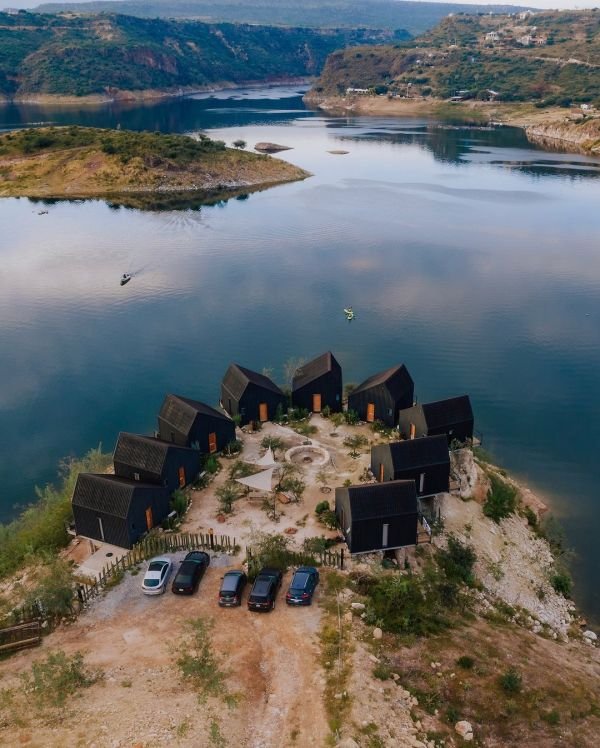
(264, 590)
(232, 588)
(190, 573)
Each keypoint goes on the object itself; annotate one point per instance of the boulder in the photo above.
(464, 729)
(347, 743)
(377, 633)
(271, 147)
(590, 635)
(357, 606)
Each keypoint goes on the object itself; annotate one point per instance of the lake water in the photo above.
(467, 254)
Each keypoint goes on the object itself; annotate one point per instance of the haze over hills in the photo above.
(416, 17)
(546, 57)
(83, 55)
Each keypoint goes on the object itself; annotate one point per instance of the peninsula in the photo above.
(78, 162)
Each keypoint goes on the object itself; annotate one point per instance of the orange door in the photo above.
(413, 430)
(371, 412)
(212, 443)
(181, 477)
(381, 472)
(316, 403)
(263, 412)
(149, 518)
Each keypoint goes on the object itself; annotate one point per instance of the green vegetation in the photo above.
(511, 681)
(562, 583)
(274, 551)
(465, 662)
(455, 56)
(421, 604)
(42, 528)
(501, 500)
(198, 663)
(53, 680)
(326, 515)
(82, 55)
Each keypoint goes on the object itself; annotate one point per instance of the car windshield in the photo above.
(151, 582)
(300, 580)
(261, 588)
(229, 583)
(156, 566)
(184, 579)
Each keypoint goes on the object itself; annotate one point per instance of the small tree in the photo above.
(272, 442)
(291, 367)
(337, 419)
(355, 442)
(227, 494)
(239, 143)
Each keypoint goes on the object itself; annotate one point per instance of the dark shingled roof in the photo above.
(181, 412)
(375, 500)
(237, 378)
(143, 452)
(313, 370)
(108, 494)
(428, 450)
(447, 412)
(397, 380)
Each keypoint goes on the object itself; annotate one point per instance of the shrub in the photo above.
(382, 671)
(59, 676)
(227, 494)
(317, 544)
(530, 516)
(355, 442)
(179, 502)
(211, 465)
(305, 429)
(501, 500)
(465, 662)
(197, 662)
(457, 561)
(562, 583)
(337, 419)
(552, 717)
(511, 681)
(239, 143)
(272, 442)
(351, 417)
(234, 447)
(52, 594)
(326, 515)
(326, 411)
(269, 550)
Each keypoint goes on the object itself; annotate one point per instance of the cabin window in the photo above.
(421, 482)
(384, 535)
(136, 476)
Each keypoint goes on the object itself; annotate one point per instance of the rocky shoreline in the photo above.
(550, 128)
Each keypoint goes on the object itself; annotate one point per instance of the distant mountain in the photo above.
(550, 57)
(416, 17)
(81, 55)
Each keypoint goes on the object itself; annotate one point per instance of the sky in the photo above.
(571, 4)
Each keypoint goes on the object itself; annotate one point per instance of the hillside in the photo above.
(78, 162)
(547, 57)
(76, 55)
(380, 14)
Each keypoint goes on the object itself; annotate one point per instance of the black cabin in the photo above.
(115, 510)
(318, 384)
(190, 423)
(252, 396)
(453, 417)
(149, 460)
(377, 516)
(425, 460)
(382, 396)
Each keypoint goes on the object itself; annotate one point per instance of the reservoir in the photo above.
(468, 254)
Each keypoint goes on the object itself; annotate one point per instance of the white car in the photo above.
(157, 575)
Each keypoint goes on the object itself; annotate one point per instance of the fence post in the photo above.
(342, 559)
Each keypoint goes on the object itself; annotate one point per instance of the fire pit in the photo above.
(308, 455)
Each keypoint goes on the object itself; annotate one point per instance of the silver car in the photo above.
(157, 575)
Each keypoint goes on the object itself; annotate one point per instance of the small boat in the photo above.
(349, 314)
(125, 278)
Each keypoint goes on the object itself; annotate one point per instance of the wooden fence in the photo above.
(28, 634)
(333, 559)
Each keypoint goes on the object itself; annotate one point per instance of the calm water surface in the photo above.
(467, 254)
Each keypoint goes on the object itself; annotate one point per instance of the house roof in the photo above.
(397, 380)
(414, 453)
(389, 499)
(447, 412)
(181, 412)
(314, 369)
(144, 452)
(237, 378)
(108, 494)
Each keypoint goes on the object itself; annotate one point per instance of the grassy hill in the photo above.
(76, 162)
(82, 55)
(381, 14)
(546, 57)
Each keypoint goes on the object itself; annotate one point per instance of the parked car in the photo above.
(157, 575)
(190, 573)
(264, 590)
(232, 588)
(302, 587)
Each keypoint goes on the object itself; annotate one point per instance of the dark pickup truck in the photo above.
(264, 590)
